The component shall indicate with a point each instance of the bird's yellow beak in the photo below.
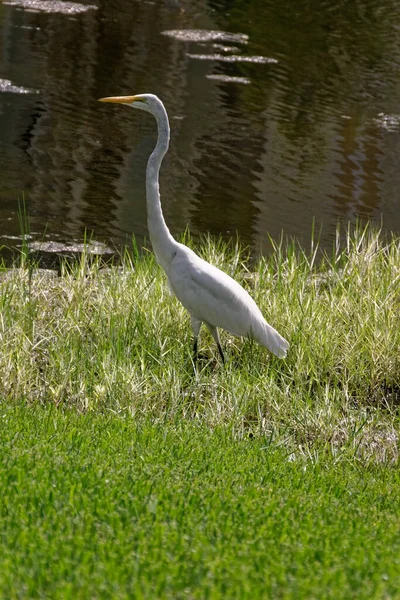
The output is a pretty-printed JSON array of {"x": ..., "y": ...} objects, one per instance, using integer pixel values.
[{"x": 121, "y": 99}]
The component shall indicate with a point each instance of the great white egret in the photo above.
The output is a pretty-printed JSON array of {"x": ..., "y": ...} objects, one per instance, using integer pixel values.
[{"x": 209, "y": 295}]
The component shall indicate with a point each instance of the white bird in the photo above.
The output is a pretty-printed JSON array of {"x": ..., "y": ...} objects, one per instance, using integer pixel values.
[{"x": 211, "y": 296}]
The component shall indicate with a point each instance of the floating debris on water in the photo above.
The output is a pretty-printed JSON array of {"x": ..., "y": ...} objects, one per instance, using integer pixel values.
[
  {"x": 222, "y": 58},
  {"x": 221, "y": 48},
  {"x": 227, "y": 54},
  {"x": 206, "y": 35},
  {"x": 29, "y": 27},
  {"x": 229, "y": 79},
  {"x": 7, "y": 86},
  {"x": 51, "y": 246},
  {"x": 51, "y": 6},
  {"x": 388, "y": 122}
]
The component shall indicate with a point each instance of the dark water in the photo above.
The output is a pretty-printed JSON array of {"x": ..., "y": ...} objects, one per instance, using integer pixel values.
[{"x": 292, "y": 114}]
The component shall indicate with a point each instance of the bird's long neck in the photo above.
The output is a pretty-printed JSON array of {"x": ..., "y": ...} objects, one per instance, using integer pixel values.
[{"x": 162, "y": 241}]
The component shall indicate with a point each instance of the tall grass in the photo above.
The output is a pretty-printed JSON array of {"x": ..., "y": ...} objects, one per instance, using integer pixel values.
[{"x": 114, "y": 339}]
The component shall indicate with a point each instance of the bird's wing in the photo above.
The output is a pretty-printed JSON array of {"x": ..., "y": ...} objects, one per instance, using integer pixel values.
[{"x": 211, "y": 295}]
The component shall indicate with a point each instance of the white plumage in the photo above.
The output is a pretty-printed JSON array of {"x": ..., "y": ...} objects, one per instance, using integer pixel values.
[{"x": 210, "y": 295}]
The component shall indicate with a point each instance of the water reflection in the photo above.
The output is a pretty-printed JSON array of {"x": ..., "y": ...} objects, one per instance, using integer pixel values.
[{"x": 278, "y": 115}]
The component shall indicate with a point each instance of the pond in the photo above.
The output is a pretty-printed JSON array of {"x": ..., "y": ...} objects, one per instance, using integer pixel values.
[{"x": 284, "y": 116}]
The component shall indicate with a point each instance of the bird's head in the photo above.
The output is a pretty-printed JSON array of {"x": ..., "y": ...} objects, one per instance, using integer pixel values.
[{"x": 147, "y": 102}]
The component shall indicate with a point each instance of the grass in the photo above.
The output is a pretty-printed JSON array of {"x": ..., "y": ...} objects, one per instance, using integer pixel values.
[
  {"x": 127, "y": 473},
  {"x": 100, "y": 506},
  {"x": 115, "y": 339}
]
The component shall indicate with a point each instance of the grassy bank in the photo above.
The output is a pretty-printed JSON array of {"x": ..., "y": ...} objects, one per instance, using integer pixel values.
[
  {"x": 100, "y": 506},
  {"x": 125, "y": 473},
  {"x": 115, "y": 339}
]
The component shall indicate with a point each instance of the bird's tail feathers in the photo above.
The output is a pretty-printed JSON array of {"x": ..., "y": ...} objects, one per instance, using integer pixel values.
[{"x": 268, "y": 336}]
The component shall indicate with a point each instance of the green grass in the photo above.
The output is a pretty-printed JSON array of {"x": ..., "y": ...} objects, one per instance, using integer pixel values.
[
  {"x": 100, "y": 506},
  {"x": 125, "y": 473}
]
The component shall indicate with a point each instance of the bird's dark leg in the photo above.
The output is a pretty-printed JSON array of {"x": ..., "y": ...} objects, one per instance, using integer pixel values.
[
  {"x": 195, "y": 350},
  {"x": 196, "y": 324},
  {"x": 215, "y": 334},
  {"x": 221, "y": 353}
]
